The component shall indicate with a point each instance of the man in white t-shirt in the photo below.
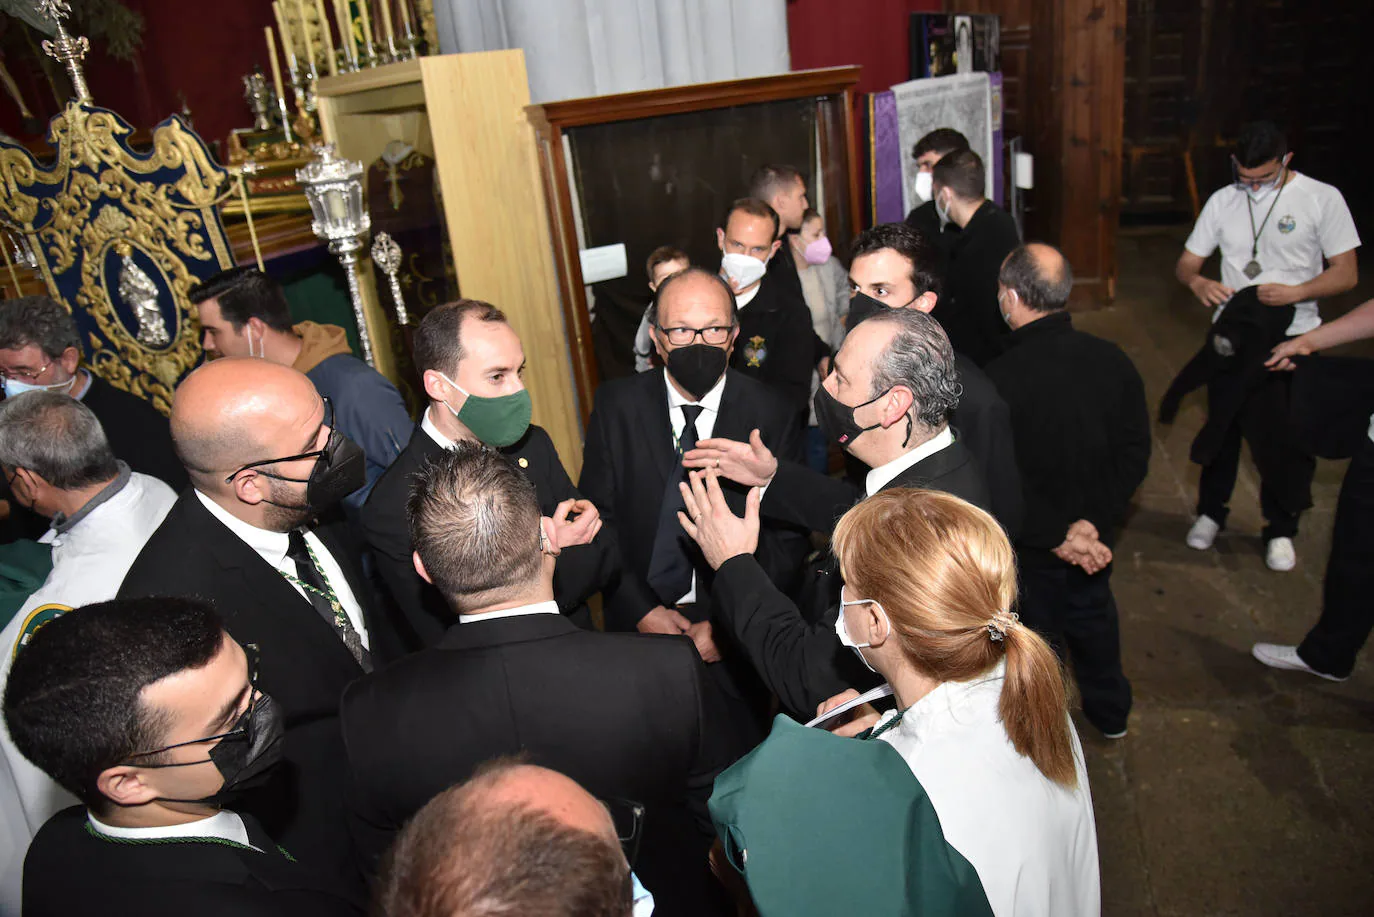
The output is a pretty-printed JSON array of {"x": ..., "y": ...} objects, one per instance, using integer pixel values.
[{"x": 1274, "y": 227}]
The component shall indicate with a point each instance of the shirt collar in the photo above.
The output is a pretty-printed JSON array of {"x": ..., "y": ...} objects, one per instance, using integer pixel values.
[
  {"x": 538, "y": 608},
  {"x": 62, "y": 524},
  {"x": 710, "y": 401},
  {"x": 883, "y": 475},
  {"x": 429, "y": 427},
  {"x": 224, "y": 825},
  {"x": 270, "y": 546},
  {"x": 1051, "y": 321}
]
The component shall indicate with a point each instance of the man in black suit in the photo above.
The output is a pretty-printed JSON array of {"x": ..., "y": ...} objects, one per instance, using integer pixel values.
[
  {"x": 1083, "y": 440},
  {"x": 638, "y": 431},
  {"x": 471, "y": 361},
  {"x": 264, "y": 465},
  {"x": 147, "y": 711},
  {"x": 777, "y": 344},
  {"x": 895, "y": 267},
  {"x": 622, "y": 714},
  {"x": 968, "y": 308},
  {"x": 924, "y": 218},
  {"x": 887, "y": 402}
]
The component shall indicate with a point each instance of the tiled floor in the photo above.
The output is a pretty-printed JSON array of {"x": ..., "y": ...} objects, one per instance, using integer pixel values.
[{"x": 1239, "y": 790}]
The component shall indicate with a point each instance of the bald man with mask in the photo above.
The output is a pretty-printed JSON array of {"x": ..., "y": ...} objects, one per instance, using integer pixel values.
[{"x": 254, "y": 535}]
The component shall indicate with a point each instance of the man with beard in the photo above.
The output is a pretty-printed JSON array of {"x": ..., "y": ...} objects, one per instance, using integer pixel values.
[{"x": 265, "y": 463}]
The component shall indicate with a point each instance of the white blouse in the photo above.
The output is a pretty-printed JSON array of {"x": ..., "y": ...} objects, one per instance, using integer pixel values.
[{"x": 1032, "y": 841}]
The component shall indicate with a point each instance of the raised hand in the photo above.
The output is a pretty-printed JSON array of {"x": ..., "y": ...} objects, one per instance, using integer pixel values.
[
  {"x": 750, "y": 464},
  {"x": 710, "y": 523},
  {"x": 581, "y": 530}
]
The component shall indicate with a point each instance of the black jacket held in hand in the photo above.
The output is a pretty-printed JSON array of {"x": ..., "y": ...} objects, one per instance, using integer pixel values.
[
  {"x": 581, "y": 572},
  {"x": 625, "y": 715},
  {"x": 1081, "y": 424},
  {"x": 70, "y": 870}
]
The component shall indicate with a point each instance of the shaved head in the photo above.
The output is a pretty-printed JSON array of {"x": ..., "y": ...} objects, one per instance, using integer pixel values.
[{"x": 231, "y": 412}]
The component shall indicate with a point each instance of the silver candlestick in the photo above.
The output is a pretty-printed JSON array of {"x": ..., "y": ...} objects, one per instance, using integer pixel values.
[
  {"x": 334, "y": 188},
  {"x": 386, "y": 254}
]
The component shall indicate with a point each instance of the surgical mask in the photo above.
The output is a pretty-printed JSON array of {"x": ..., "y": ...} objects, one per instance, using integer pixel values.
[
  {"x": 262, "y": 344},
  {"x": 499, "y": 421},
  {"x": 817, "y": 251},
  {"x": 697, "y": 367},
  {"x": 922, "y": 186},
  {"x": 836, "y": 420},
  {"x": 1260, "y": 194},
  {"x": 742, "y": 270},
  {"x": 643, "y": 898},
  {"x": 1006, "y": 317},
  {"x": 942, "y": 211},
  {"x": 14, "y": 387},
  {"x": 246, "y": 760},
  {"x": 842, "y": 631}
]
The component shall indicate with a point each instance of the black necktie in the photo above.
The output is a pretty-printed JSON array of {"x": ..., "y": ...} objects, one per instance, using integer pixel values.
[
  {"x": 670, "y": 565},
  {"x": 322, "y": 596}
]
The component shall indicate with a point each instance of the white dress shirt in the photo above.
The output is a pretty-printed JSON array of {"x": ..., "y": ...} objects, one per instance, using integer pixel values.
[
  {"x": 880, "y": 477},
  {"x": 432, "y": 431},
  {"x": 1032, "y": 842},
  {"x": 706, "y": 425},
  {"x": 538, "y": 608},
  {"x": 224, "y": 825},
  {"x": 272, "y": 547}
]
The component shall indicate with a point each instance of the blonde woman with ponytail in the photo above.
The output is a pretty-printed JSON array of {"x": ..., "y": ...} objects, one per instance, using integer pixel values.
[{"x": 981, "y": 718}]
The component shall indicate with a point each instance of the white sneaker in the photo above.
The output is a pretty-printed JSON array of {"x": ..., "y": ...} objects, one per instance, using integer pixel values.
[
  {"x": 1279, "y": 555},
  {"x": 1203, "y": 533},
  {"x": 1278, "y": 656}
]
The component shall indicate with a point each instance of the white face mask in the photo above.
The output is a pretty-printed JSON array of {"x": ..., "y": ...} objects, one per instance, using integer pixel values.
[
  {"x": 942, "y": 211},
  {"x": 922, "y": 186},
  {"x": 262, "y": 344},
  {"x": 1001, "y": 298},
  {"x": 742, "y": 270},
  {"x": 643, "y": 898},
  {"x": 15, "y": 387},
  {"x": 842, "y": 631}
]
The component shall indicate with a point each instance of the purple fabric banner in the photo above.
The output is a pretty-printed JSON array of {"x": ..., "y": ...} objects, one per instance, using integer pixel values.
[
  {"x": 998, "y": 160},
  {"x": 886, "y": 150}
]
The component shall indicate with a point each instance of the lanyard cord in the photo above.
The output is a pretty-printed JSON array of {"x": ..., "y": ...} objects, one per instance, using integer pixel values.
[{"x": 1254, "y": 245}]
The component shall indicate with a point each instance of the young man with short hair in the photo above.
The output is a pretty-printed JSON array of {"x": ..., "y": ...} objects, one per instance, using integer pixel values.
[
  {"x": 928, "y": 151},
  {"x": 664, "y": 261},
  {"x": 1275, "y": 227},
  {"x": 147, "y": 711}
]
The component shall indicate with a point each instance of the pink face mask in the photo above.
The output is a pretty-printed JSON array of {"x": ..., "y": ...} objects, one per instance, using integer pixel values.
[{"x": 818, "y": 251}]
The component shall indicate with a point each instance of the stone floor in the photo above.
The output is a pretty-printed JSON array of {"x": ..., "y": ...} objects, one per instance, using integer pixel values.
[{"x": 1239, "y": 790}]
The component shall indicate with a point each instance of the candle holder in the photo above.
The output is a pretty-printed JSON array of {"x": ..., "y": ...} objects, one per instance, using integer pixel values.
[
  {"x": 63, "y": 48},
  {"x": 334, "y": 188},
  {"x": 259, "y": 99},
  {"x": 386, "y": 254}
]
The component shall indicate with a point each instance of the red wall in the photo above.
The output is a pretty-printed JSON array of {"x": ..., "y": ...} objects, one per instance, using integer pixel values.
[
  {"x": 874, "y": 33},
  {"x": 199, "y": 49}
]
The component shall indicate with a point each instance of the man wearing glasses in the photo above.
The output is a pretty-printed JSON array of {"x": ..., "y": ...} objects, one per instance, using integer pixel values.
[
  {"x": 266, "y": 465},
  {"x": 1275, "y": 227},
  {"x": 58, "y": 463},
  {"x": 639, "y": 429},
  {"x": 147, "y": 712}
]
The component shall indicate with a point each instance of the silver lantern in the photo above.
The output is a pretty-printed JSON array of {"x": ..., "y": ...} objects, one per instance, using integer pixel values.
[{"x": 334, "y": 188}]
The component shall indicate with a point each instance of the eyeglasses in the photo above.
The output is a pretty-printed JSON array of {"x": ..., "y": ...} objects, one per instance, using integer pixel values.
[
  {"x": 25, "y": 375},
  {"x": 628, "y": 818},
  {"x": 245, "y": 732},
  {"x": 681, "y": 337},
  {"x": 1267, "y": 179},
  {"x": 321, "y": 455}
]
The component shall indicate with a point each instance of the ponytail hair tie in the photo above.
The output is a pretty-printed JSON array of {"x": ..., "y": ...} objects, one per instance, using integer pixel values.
[{"x": 1000, "y": 623}]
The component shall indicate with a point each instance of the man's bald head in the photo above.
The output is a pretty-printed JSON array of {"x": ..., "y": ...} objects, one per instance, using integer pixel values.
[
  {"x": 231, "y": 412},
  {"x": 514, "y": 839},
  {"x": 694, "y": 290},
  {"x": 1039, "y": 275}
]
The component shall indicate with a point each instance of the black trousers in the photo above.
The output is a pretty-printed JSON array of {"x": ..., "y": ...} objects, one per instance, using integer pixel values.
[
  {"x": 1076, "y": 614},
  {"x": 1285, "y": 469},
  {"x": 1348, "y": 592}
]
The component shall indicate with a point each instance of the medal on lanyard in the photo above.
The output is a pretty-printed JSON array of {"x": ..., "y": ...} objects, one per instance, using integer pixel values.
[{"x": 1253, "y": 269}]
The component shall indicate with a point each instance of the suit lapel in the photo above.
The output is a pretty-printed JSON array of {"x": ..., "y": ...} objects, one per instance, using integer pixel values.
[
  {"x": 933, "y": 467},
  {"x": 730, "y": 422},
  {"x": 655, "y": 424}
]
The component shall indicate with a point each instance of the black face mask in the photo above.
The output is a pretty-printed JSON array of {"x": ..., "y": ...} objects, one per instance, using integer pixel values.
[
  {"x": 836, "y": 420},
  {"x": 245, "y": 759},
  {"x": 697, "y": 367},
  {"x": 340, "y": 469},
  {"x": 861, "y": 306}
]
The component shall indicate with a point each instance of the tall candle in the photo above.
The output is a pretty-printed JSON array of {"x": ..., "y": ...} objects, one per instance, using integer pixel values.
[
  {"x": 285, "y": 33},
  {"x": 367, "y": 25},
  {"x": 386, "y": 25},
  {"x": 345, "y": 17},
  {"x": 405, "y": 18},
  {"x": 309, "y": 45},
  {"x": 328, "y": 37},
  {"x": 272, "y": 57}
]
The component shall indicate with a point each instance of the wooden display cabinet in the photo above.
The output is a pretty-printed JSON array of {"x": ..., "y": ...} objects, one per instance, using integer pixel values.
[{"x": 467, "y": 112}]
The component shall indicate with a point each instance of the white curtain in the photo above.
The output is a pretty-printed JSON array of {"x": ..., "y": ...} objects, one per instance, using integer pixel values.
[{"x": 576, "y": 48}]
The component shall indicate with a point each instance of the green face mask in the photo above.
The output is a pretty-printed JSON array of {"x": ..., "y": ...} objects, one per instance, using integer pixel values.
[{"x": 498, "y": 421}]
